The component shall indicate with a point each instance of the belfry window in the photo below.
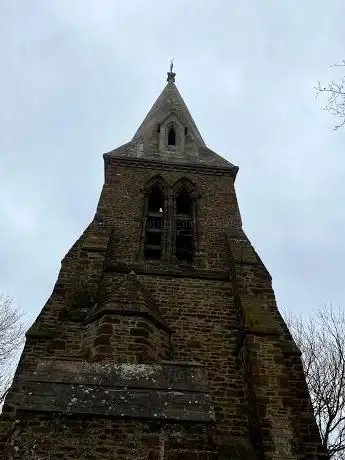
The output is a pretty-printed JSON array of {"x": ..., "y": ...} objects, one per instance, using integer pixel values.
[
  {"x": 169, "y": 231},
  {"x": 154, "y": 224},
  {"x": 171, "y": 136},
  {"x": 184, "y": 227}
]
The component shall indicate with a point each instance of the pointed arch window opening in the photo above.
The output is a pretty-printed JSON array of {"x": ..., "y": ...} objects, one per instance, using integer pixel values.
[
  {"x": 172, "y": 136},
  {"x": 184, "y": 242},
  {"x": 154, "y": 228},
  {"x": 170, "y": 228}
]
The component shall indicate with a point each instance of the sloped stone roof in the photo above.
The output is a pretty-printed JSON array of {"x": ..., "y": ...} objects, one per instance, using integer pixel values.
[
  {"x": 145, "y": 146},
  {"x": 130, "y": 297},
  {"x": 206, "y": 156}
]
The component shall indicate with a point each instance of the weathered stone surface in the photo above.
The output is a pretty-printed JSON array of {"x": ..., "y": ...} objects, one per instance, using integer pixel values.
[
  {"x": 135, "y": 403},
  {"x": 165, "y": 375}
]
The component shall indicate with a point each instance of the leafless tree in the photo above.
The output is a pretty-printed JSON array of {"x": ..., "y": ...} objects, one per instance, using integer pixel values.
[
  {"x": 321, "y": 339},
  {"x": 335, "y": 91},
  {"x": 11, "y": 339}
]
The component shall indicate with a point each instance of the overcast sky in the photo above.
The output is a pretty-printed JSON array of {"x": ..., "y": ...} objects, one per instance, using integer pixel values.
[{"x": 77, "y": 78}]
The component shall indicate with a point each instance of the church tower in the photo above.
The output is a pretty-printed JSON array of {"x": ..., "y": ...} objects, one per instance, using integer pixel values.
[{"x": 161, "y": 339}]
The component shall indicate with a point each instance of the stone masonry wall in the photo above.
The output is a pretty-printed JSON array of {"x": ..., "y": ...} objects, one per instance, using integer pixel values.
[
  {"x": 73, "y": 438},
  {"x": 222, "y": 314},
  {"x": 202, "y": 316},
  {"x": 129, "y": 339},
  {"x": 199, "y": 311}
]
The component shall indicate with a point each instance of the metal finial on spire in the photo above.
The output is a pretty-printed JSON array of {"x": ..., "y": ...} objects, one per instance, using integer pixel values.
[{"x": 171, "y": 74}]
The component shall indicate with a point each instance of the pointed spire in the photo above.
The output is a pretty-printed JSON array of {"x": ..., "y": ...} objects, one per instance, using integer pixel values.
[
  {"x": 169, "y": 102},
  {"x": 171, "y": 74},
  {"x": 149, "y": 142}
]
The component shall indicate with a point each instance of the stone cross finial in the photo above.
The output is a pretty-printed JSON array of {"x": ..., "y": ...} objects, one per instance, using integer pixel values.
[{"x": 171, "y": 74}]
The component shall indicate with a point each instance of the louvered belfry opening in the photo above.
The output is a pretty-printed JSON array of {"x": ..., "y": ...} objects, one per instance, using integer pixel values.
[
  {"x": 184, "y": 227},
  {"x": 154, "y": 224}
]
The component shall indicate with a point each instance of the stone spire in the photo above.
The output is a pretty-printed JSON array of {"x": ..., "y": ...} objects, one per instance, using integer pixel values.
[
  {"x": 149, "y": 140},
  {"x": 169, "y": 102}
]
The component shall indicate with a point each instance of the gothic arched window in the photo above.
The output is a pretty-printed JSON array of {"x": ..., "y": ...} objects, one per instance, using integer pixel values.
[
  {"x": 169, "y": 230},
  {"x": 154, "y": 227},
  {"x": 184, "y": 243},
  {"x": 171, "y": 136}
]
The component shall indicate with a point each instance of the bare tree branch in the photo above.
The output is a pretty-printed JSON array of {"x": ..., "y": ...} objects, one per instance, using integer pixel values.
[
  {"x": 11, "y": 339},
  {"x": 321, "y": 341},
  {"x": 335, "y": 92}
]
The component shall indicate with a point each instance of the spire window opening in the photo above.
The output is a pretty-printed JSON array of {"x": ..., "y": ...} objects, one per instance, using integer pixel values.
[
  {"x": 171, "y": 136},
  {"x": 184, "y": 227},
  {"x": 154, "y": 224}
]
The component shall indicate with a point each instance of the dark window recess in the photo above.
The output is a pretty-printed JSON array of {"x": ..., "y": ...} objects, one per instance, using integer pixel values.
[
  {"x": 154, "y": 224},
  {"x": 184, "y": 227},
  {"x": 171, "y": 136},
  {"x": 159, "y": 128},
  {"x": 186, "y": 131}
]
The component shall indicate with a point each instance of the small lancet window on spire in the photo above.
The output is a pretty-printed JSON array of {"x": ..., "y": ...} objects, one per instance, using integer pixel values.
[{"x": 171, "y": 136}]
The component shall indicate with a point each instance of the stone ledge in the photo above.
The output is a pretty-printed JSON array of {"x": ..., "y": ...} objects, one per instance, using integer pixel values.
[
  {"x": 168, "y": 375},
  {"x": 182, "y": 166},
  {"x": 120, "y": 403},
  {"x": 159, "y": 392},
  {"x": 144, "y": 268}
]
